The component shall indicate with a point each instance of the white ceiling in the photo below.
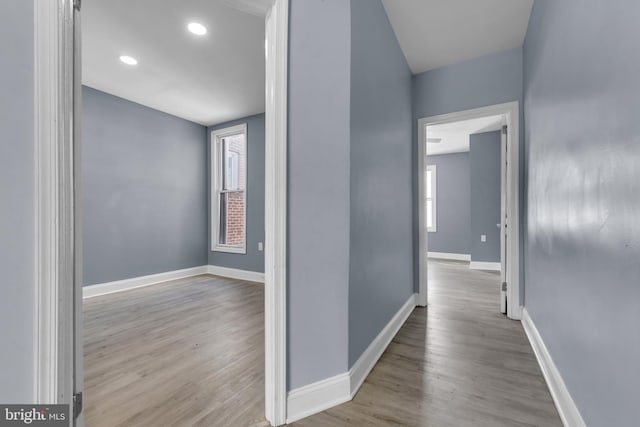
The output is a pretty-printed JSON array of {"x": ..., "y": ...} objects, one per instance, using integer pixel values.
[
  {"x": 454, "y": 137},
  {"x": 435, "y": 33},
  {"x": 208, "y": 80}
]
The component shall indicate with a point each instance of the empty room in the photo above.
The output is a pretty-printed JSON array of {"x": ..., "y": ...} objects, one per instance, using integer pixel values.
[{"x": 173, "y": 131}]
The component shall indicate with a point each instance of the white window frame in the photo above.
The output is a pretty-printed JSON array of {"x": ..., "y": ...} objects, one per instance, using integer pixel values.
[
  {"x": 216, "y": 184},
  {"x": 433, "y": 198},
  {"x": 234, "y": 166}
]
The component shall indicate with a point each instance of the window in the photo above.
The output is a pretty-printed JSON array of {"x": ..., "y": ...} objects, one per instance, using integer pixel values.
[
  {"x": 228, "y": 189},
  {"x": 430, "y": 185}
]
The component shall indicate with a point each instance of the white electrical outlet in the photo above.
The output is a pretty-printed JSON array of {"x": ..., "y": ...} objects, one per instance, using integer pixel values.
[
  {"x": 483, "y": 238},
  {"x": 260, "y": 246}
]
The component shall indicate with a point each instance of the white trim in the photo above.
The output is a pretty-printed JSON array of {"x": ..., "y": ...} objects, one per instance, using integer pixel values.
[
  {"x": 450, "y": 256},
  {"x": 216, "y": 179},
  {"x": 141, "y": 281},
  {"x": 321, "y": 395},
  {"x": 511, "y": 110},
  {"x": 567, "y": 408},
  {"x": 317, "y": 397},
  {"x": 231, "y": 249},
  {"x": 434, "y": 196},
  {"x": 46, "y": 82},
  {"x": 54, "y": 197},
  {"x": 503, "y": 219},
  {"x": 277, "y": 62},
  {"x": 423, "y": 234},
  {"x": 365, "y": 363},
  {"x": 488, "y": 266},
  {"x": 78, "y": 363},
  {"x": 234, "y": 273},
  {"x": 517, "y": 312}
]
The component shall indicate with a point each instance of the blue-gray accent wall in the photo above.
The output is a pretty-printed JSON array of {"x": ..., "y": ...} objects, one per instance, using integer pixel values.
[
  {"x": 488, "y": 80},
  {"x": 144, "y": 190},
  {"x": 582, "y": 93},
  {"x": 253, "y": 259},
  {"x": 453, "y": 204},
  {"x": 17, "y": 192},
  {"x": 318, "y": 190},
  {"x": 381, "y": 251},
  {"x": 484, "y": 161}
]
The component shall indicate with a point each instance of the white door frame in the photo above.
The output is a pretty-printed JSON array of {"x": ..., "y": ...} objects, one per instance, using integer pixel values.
[
  {"x": 275, "y": 257},
  {"x": 504, "y": 154},
  {"x": 512, "y": 112},
  {"x": 58, "y": 183},
  {"x": 54, "y": 197}
]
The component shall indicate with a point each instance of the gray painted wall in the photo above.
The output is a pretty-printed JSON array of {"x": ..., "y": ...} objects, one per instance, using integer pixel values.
[
  {"x": 253, "y": 260},
  {"x": 453, "y": 204},
  {"x": 17, "y": 192},
  {"x": 484, "y": 160},
  {"x": 381, "y": 254},
  {"x": 318, "y": 190},
  {"x": 488, "y": 80},
  {"x": 582, "y": 258},
  {"x": 144, "y": 190}
]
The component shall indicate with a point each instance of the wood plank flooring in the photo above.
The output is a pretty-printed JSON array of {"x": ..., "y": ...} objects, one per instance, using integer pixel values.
[
  {"x": 457, "y": 363},
  {"x": 186, "y": 352},
  {"x": 191, "y": 353}
]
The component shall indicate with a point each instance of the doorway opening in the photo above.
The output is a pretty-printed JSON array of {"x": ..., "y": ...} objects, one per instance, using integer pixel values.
[
  {"x": 173, "y": 135},
  {"x": 59, "y": 205},
  {"x": 469, "y": 196}
]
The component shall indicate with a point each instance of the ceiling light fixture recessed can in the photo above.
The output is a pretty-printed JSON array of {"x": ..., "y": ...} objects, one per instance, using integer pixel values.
[
  {"x": 129, "y": 60},
  {"x": 197, "y": 29}
]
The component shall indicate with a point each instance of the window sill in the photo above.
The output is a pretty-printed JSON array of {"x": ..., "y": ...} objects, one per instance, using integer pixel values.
[{"x": 230, "y": 250}]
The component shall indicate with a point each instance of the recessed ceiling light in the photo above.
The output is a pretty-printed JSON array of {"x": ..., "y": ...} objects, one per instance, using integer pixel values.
[
  {"x": 128, "y": 60},
  {"x": 197, "y": 29}
]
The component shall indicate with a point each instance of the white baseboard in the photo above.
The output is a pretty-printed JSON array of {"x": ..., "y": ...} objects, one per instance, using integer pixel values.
[
  {"x": 490, "y": 266},
  {"x": 138, "y": 282},
  {"x": 447, "y": 255},
  {"x": 567, "y": 408},
  {"x": 365, "y": 363},
  {"x": 233, "y": 273},
  {"x": 319, "y": 396}
]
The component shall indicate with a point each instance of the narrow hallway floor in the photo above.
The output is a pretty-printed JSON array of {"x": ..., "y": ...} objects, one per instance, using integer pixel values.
[{"x": 457, "y": 363}]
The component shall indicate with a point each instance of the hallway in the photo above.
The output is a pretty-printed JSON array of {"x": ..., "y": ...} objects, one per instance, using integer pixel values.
[{"x": 457, "y": 363}]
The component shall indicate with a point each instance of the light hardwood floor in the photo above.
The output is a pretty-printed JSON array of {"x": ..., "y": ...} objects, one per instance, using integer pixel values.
[
  {"x": 457, "y": 363},
  {"x": 191, "y": 352},
  {"x": 186, "y": 352}
]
